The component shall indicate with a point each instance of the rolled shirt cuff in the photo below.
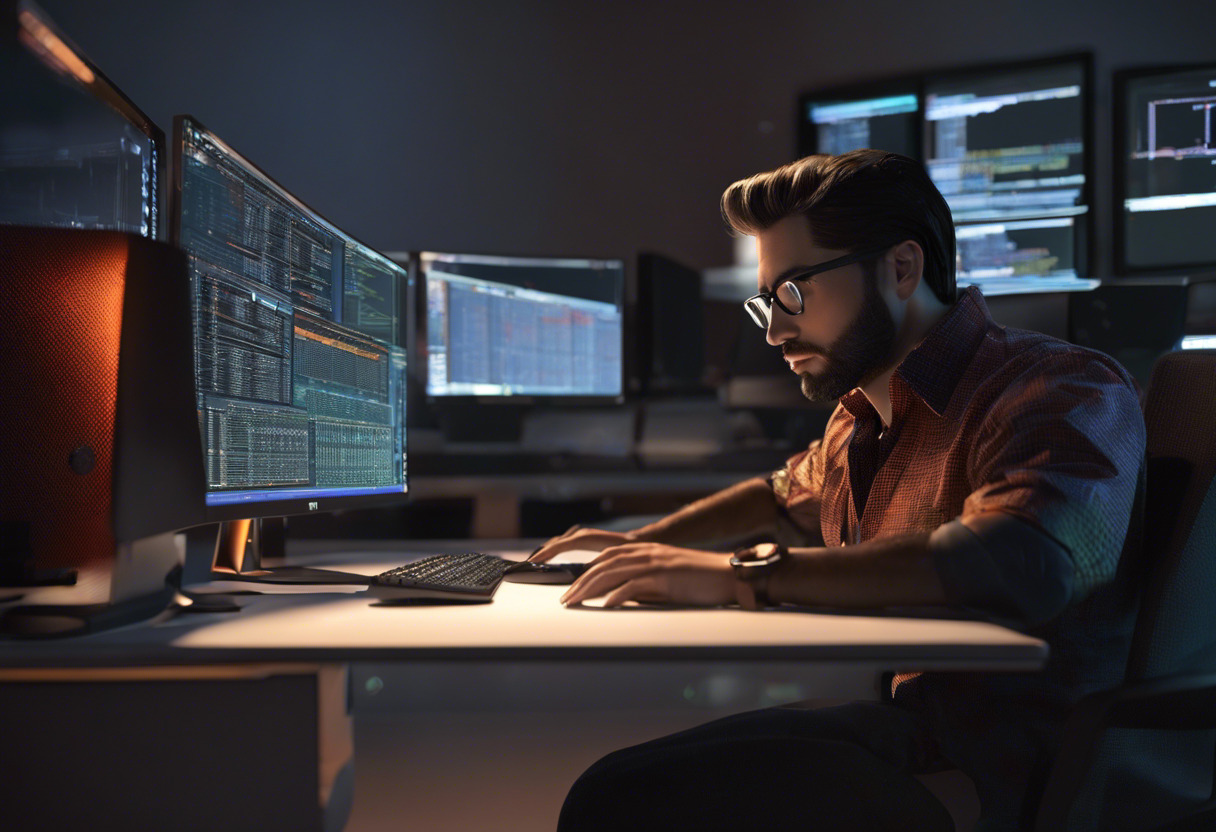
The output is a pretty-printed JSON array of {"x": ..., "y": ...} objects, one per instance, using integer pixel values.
[{"x": 1000, "y": 565}]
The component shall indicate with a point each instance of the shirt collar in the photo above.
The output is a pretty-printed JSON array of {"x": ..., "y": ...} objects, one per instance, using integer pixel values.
[{"x": 933, "y": 369}]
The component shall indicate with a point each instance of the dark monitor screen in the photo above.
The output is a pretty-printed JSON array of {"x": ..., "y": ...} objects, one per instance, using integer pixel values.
[
  {"x": 301, "y": 384},
  {"x": 511, "y": 327},
  {"x": 1200, "y": 329},
  {"x": 1167, "y": 168},
  {"x": 1007, "y": 147},
  {"x": 670, "y": 358},
  {"x": 74, "y": 151},
  {"x": 837, "y": 121}
]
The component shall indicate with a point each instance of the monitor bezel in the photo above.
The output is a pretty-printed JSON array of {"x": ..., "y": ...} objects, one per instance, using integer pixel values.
[
  {"x": 1083, "y": 232},
  {"x": 557, "y": 400},
  {"x": 301, "y": 505},
  {"x": 1120, "y": 81},
  {"x": 107, "y": 92},
  {"x": 808, "y": 132}
]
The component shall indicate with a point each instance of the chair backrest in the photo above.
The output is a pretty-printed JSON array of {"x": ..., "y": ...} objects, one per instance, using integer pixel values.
[
  {"x": 1133, "y": 779},
  {"x": 1174, "y": 629}
]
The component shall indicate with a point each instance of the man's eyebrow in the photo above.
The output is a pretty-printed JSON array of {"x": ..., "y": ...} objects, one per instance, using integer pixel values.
[{"x": 787, "y": 274}]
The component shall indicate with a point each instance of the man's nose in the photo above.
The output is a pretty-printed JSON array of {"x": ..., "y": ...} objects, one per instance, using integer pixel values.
[{"x": 781, "y": 327}]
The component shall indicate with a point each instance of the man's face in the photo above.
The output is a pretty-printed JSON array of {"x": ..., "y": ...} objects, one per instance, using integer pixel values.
[{"x": 845, "y": 336}]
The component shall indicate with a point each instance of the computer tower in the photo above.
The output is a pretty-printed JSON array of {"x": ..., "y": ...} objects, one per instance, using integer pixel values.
[
  {"x": 99, "y": 445},
  {"x": 671, "y": 332}
]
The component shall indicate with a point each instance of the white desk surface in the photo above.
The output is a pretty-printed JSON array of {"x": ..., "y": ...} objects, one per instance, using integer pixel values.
[{"x": 525, "y": 622}]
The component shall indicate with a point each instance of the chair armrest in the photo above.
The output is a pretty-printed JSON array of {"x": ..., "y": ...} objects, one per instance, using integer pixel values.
[{"x": 1185, "y": 702}]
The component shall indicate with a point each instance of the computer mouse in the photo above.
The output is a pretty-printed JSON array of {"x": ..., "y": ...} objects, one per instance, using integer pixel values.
[{"x": 531, "y": 572}]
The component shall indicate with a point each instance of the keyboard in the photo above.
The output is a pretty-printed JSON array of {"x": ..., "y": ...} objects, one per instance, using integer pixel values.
[{"x": 466, "y": 577}]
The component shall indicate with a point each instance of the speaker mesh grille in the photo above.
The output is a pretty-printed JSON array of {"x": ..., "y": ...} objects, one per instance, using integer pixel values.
[{"x": 59, "y": 340}]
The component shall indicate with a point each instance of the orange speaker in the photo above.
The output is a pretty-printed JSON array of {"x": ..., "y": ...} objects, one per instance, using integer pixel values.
[{"x": 99, "y": 443}]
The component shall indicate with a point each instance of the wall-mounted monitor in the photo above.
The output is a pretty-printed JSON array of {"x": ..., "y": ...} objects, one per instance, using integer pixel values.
[
  {"x": 1008, "y": 145},
  {"x": 1009, "y": 148},
  {"x": 1165, "y": 175},
  {"x": 301, "y": 383},
  {"x": 523, "y": 329},
  {"x": 75, "y": 152},
  {"x": 884, "y": 116}
]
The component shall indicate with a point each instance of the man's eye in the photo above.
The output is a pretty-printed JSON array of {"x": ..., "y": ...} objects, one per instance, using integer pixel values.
[{"x": 788, "y": 294}]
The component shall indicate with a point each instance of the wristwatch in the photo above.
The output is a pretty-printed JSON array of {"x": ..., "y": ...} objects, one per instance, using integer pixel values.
[{"x": 753, "y": 566}]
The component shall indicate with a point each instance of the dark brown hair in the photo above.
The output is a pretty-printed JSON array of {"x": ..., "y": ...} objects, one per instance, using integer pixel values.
[{"x": 855, "y": 201}]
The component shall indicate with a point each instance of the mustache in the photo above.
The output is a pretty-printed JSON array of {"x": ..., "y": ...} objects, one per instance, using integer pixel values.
[{"x": 802, "y": 348}]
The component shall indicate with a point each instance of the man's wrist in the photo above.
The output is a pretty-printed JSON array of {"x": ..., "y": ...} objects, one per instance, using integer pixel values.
[{"x": 754, "y": 567}]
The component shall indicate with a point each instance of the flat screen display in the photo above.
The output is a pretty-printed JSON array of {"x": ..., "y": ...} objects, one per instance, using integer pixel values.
[
  {"x": 523, "y": 326},
  {"x": 837, "y": 122},
  {"x": 1007, "y": 148},
  {"x": 1168, "y": 169}
]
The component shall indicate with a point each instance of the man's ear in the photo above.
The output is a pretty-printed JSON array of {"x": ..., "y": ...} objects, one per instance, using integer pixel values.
[{"x": 909, "y": 261}]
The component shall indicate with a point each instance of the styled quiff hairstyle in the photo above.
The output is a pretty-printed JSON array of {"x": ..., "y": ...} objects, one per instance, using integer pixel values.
[{"x": 856, "y": 201}]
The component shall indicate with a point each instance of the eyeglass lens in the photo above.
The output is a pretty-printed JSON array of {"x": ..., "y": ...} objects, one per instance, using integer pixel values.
[{"x": 788, "y": 296}]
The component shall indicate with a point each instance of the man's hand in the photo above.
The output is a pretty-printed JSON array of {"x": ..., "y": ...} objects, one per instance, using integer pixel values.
[
  {"x": 579, "y": 538},
  {"x": 656, "y": 573}
]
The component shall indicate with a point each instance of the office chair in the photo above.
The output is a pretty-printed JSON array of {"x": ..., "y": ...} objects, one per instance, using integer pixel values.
[{"x": 1141, "y": 756}]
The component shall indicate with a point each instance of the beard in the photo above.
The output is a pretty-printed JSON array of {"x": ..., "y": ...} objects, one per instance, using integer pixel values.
[{"x": 861, "y": 353}]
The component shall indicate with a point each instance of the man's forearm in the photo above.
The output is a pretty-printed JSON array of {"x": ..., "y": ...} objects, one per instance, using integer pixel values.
[
  {"x": 742, "y": 509},
  {"x": 893, "y": 571}
]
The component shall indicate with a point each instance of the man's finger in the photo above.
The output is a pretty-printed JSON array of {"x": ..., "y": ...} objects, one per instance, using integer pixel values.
[
  {"x": 617, "y": 551},
  {"x": 600, "y": 579},
  {"x": 575, "y": 537},
  {"x": 644, "y": 588}
]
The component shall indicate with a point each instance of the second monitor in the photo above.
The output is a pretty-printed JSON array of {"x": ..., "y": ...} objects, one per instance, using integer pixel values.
[
  {"x": 505, "y": 335},
  {"x": 524, "y": 328}
]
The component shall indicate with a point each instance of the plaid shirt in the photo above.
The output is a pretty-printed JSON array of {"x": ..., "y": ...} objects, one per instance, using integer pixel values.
[{"x": 990, "y": 419}]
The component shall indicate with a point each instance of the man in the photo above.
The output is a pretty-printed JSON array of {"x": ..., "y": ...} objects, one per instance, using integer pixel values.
[{"x": 992, "y": 470}]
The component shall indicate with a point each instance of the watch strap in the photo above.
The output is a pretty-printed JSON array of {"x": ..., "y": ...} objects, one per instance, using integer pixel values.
[{"x": 751, "y": 581}]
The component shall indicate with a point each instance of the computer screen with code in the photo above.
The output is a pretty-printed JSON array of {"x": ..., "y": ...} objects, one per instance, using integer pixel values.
[
  {"x": 837, "y": 121},
  {"x": 1006, "y": 146},
  {"x": 75, "y": 152},
  {"x": 301, "y": 383},
  {"x": 1168, "y": 169},
  {"x": 518, "y": 326}
]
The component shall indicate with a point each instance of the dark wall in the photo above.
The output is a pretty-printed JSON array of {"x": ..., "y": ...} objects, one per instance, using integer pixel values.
[{"x": 564, "y": 127}]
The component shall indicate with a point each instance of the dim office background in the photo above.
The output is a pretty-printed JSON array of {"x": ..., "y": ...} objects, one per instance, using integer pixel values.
[
  {"x": 556, "y": 128},
  {"x": 596, "y": 128}
]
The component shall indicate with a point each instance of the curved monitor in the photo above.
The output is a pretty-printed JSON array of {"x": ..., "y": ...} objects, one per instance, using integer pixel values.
[
  {"x": 516, "y": 329},
  {"x": 74, "y": 151},
  {"x": 1166, "y": 169},
  {"x": 300, "y": 380}
]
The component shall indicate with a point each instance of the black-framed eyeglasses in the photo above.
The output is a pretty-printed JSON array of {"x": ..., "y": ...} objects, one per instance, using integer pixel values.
[{"x": 786, "y": 294}]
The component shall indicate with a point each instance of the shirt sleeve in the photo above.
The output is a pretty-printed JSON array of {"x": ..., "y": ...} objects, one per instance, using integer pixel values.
[
  {"x": 798, "y": 491},
  {"x": 1055, "y": 467}
]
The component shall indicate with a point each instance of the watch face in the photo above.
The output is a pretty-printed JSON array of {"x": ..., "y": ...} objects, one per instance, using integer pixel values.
[
  {"x": 763, "y": 554},
  {"x": 768, "y": 551}
]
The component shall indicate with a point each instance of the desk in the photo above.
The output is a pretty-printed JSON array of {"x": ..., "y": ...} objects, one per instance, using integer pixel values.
[
  {"x": 525, "y": 622},
  {"x": 511, "y": 665}
]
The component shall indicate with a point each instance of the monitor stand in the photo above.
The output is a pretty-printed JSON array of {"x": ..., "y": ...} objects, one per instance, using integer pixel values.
[
  {"x": 242, "y": 545},
  {"x": 467, "y": 419}
]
